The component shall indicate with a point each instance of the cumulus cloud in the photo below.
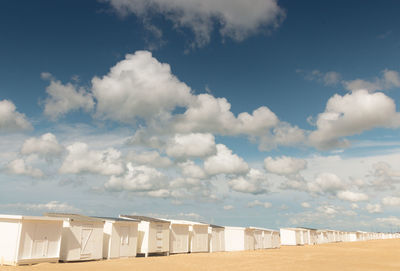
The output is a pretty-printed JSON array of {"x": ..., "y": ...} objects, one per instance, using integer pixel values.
[
  {"x": 330, "y": 78},
  {"x": 326, "y": 183},
  {"x": 63, "y": 98},
  {"x": 254, "y": 182},
  {"x": 283, "y": 134},
  {"x": 11, "y": 120},
  {"x": 305, "y": 205},
  {"x": 391, "y": 201},
  {"x": 389, "y": 79},
  {"x": 228, "y": 207},
  {"x": 352, "y": 196},
  {"x": 284, "y": 165},
  {"x": 384, "y": 176},
  {"x": 45, "y": 146},
  {"x": 329, "y": 210},
  {"x": 138, "y": 179},
  {"x": 149, "y": 158},
  {"x": 353, "y": 114},
  {"x": 255, "y": 203},
  {"x": 139, "y": 87},
  {"x": 191, "y": 170},
  {"x": 391, "y": 220},
  {"x": 191, "y": 145},
  {"x": 19, "y": 167},
  {"x": 235, "y": 19},
  {"x": 374, "y": 208},
  {"x": 53, "y": 206},
  {"x": 225, "y": 162},
  {"x": 80, "y": 159}
]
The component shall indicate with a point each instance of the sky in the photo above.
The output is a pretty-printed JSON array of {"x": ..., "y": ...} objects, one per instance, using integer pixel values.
[{"x": 245, "y": 113}]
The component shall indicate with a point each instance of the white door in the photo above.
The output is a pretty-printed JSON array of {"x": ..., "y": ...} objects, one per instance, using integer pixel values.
[
  {"x": 159, "y": 237},
  {"x": 87, "y": 244},
  {"x": 124, "y": 244},
  {"x": 40, "y": 243}
]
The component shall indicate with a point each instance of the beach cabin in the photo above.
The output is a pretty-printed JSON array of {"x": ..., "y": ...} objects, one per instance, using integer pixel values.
[
  {"x": 322, "y": 236},
  {"x": 234, "y": 238},
  {"x": 29, "y": 239},
  {"x": 276, "y": 239},
  {"x": 216, "y": 236},
  {"x": 153, "y": 235},
  {"x": 82, "y": 237},
  {"x": 293, "y": 236},
  {"x": 178, "y": 237},
  {"x": 119, "y": 238},
  {"x": 249, "y": 239},
  {"x": 258, "y": 237},
  {"x": 198, "y": 238},
  {"x": 311, "y": 236},
  {"x": 271, "y": 239}
]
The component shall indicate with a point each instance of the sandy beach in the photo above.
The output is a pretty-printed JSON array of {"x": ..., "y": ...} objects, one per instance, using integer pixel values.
[{"x": 374, "y": 255}]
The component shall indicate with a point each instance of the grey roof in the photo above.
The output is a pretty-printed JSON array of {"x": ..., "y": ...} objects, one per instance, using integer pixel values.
[
  {"x": 75, "y": 217},
  {"x": 117, "y": 219},
  {"x": 216, "y": 226},
  {"x": 144, "y": 218}
]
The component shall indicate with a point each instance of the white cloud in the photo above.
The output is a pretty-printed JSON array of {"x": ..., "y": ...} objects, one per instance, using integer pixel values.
[
  {"x": 284, "y": 165},
  {"x": 82, "y": 160},
  {"x": 236, "y": 19},
  {"x": 149, "y": 158},
  {"x": 388, "y": 80},
  {"x": 191, "y": 170},
  {"x": 391, "y": 201},
  {"x": 255, "y": 203},
  {"x": 283, "y": 134},
  {"x": 329, "y": 210},
  {"x": 138, "y": 179},
  {"x": 392, "y": 220},
  {"x": 352, "y": 196},
  {"x": 52, "y": 206},
  {"x": 305, "y": 205},
  {"x": 191, "y": 145},
  {"x": 374, "y": 208},
  {"x": 65, "y": 98},
  {"x": 139, "y": 87},
  {"x": 354, "y": 206},
  {"x": 225, "y": 162},
  {"x": 353, "y": 114},
  {"x": 19, "y": 167},
  {"x": 228, "y": 207},
  {"x": 11, "y": 120},
  {"x": 254, "y": 182},
  {"x": 46, "y": 146},
  {"x": 326, "y": 183},
  {"x": 330, "y": 78}
]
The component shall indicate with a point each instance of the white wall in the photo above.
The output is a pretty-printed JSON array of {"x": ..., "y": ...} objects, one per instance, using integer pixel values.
[
  {"x": 179, "y": 238},
  {"x": 234, "y": 239},
  {"x": 288, "y": 237},
  {"x": 9, "y": 240}
]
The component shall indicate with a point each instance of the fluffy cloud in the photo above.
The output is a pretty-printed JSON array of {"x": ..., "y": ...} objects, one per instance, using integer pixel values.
[
  {"x": 326, "y": 183},
  {"x": 11, "y": 120},
  {"x": 65, "y": 98},
  {"x": 283, "y": 134},
  {"x": 389, "y": 79},
  {"x": 228, "y": 207},
  {"x": 374, "y": 208},
  {"x": 209, "y": 114},
  {"x": 305, "y": 205},
  {"x": 329, "y": 210},
  {"x": 19, "y": 167},
  {"x": 254, "y": 182},
  {"x": 284, "y": 165},
  {"x": 138, "y": 87},
  {"x": 392, "y": 220},
  {"x": 352, "y": 196},
  {"x": 330, "y": 78},
  {"x": 225, "y": 162},
  {"x": 137, "y": 179},
  {"x": 352, "y": 114},
  {"x": 391, "y": 201},
  {"x": 384, "y": 177},
  {"x": 82, "y": 160},
  {"x": 191, "y": 170},
  {"x": 236, "y": 19},
  {"x": 255, "y": 203},
  {"x": 46, "y": 146},
  {"x": 191, "y": 145},
  {"x": 53, "y": 206},
  {"x": 149, "y": 158}
]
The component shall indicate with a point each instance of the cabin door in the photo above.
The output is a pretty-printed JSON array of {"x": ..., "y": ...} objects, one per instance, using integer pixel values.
[
  {"x": 124, "y": 244},
  {"x": 87, "y": 244},
  {"x": 40, "y": 243},
  {"x": 159, "y": 237}
]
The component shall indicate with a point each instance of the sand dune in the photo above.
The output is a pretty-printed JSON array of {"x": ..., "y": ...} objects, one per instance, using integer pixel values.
[{"x": 379, "y": 255}]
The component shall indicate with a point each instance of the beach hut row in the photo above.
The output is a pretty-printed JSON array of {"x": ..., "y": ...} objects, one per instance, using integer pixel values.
[
  {"x": 72, "y": 237},
  {"x": 308, "y": 236}
]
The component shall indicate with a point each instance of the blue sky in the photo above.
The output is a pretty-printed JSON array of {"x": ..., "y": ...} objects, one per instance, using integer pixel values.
[{"x": 265, "y": 113}]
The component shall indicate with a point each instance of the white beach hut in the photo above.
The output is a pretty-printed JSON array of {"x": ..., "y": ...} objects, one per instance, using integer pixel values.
[
  {"x": 293, "y": 236},
  {"x": 216, "y": 238},
  {"x": 198, "y": 237},
  {"x": 153, "y": 236},
  {"x": 310, "y": 236},
  {"x": 119, "y": 238},
  {"x": 178, "y": 237},
  {"x": 29, "y": 239},
  {"x": 257, "y": 237},
  {"x": 82, "y": 237},
  {"x": 234, "y": 238},
  {"x": 250, "y": 238},
  {"x": 276, "y": 239},
  {"x": 322, "y": 236},
  {"x": 271, "y": 239}
]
